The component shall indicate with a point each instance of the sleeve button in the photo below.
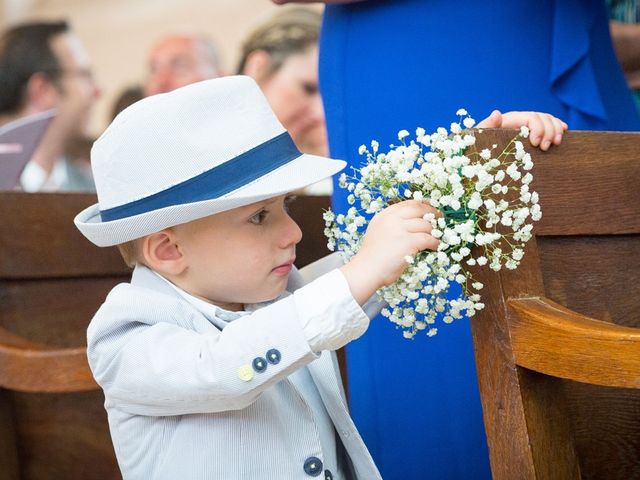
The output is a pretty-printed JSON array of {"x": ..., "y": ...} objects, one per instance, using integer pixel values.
[
  {"x": 273, "y": 356},
  {"x": 259, "y": 364},
  {"x": 245, "y": 373}
]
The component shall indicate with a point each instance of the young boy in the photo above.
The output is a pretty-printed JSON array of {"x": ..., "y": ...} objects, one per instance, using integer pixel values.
[{"x": 210, "y": 367}]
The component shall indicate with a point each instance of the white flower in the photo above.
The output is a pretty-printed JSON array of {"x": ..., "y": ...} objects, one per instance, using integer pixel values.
[
  {"x": 461, "y": 112},
  {"x": 437, "y": 167},
  {"x": 513, "y": 172},
  {"x": 534, "y": 197},
  {"x": 362, "y": 150},
  {"x": 536, "y": 212},
  {"x": 374, "y": 207},
  {"x": 342, "y": 180},
  {"x": 524, "y": 131},
  {"x": 475, "y": 201}
]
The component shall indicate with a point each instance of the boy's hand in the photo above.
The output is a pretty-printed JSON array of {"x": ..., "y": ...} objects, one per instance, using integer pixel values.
[
  {"x": 393, "y": 234},
  {"x": 544, "y": 129}
]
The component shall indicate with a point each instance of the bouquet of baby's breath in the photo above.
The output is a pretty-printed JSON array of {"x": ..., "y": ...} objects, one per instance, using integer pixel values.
[{"x": 485, "y": 201}]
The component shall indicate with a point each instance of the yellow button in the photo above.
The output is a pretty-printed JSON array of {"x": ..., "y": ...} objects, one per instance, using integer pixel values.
[{"x": 245, "y": 372}]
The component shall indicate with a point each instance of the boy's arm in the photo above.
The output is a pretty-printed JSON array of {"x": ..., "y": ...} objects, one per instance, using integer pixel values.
[
  {"x": 179, "y": 363},
  {"x": 155, "y": 355}
]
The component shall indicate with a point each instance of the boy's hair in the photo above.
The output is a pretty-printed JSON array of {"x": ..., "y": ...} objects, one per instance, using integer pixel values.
[
  {"x": 289, "y": 32},
  {"x": 130, "y": 253},
  {"x": 24, "y": 51}
]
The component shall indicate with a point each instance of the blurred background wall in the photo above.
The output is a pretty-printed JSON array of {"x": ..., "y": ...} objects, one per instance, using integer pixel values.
[{"x": 118, "y": 33}]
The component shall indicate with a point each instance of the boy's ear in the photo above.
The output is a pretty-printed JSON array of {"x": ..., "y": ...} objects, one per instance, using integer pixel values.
[
  {"x": 258, "y": 65},
  {"x": 162, "y": 253}
]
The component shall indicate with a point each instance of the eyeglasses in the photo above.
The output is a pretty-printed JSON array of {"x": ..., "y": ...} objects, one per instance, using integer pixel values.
[{"x": 62, "y": 72}]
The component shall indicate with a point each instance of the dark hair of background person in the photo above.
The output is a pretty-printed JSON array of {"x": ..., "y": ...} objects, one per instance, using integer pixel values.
[
  {"x": 24, "y": 51},
  {"x": 289, "y": 32},
  {"x": 128, "y": 96}
]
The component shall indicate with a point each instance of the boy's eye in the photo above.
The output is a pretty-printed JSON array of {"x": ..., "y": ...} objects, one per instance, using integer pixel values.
[{"x": 258, "y": 218}]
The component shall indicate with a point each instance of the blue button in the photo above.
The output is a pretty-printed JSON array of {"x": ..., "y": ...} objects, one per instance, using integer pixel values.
[
  {"x": 273, "y": 356},
  {"x": 259, "y": 364},
  {"x": 328, "y": 475},
  {"x": 313, "y": 466}
]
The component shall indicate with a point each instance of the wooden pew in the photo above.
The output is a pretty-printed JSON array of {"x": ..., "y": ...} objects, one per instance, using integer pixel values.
[
  {"x": 52, "y": 420},
  {"x": 52, "y": 280},
  {"x": 557, "y": 347}
]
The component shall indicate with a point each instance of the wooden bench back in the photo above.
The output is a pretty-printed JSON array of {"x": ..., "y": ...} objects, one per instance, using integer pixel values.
[
  {"x": 560, "y": 390},
  {"x": 52, "y": 280}
]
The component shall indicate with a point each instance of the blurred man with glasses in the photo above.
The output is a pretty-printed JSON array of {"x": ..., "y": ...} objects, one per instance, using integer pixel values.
[{"x": 43, "y": 65}]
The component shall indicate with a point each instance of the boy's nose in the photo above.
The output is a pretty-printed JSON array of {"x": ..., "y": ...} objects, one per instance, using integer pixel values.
[{"x": 293, "y": 234}]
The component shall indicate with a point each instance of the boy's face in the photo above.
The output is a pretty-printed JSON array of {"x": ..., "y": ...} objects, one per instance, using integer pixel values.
[{"x": 240, "y": 256}]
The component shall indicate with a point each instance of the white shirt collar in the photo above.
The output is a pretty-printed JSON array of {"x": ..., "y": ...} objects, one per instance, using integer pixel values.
[{"x": 210, "y": 310}]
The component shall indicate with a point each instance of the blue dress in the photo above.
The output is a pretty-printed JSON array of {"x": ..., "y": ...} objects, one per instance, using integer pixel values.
[{"x": 400, "y": 64}]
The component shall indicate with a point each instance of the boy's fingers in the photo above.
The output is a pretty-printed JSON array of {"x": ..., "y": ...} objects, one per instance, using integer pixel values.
[
  {"x": 414, "y": 208},
  {"x": 426, "y": 242},
  {"x": 418, "y": 225}
]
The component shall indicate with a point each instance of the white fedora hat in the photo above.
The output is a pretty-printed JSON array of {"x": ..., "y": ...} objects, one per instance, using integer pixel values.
[{"x": 201, "y": 149}]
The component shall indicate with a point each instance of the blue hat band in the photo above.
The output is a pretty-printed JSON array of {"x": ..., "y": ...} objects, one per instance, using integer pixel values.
[{"x": 216, "y": 182}]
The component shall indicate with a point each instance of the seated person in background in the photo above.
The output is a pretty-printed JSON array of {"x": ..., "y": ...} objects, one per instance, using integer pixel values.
[
  {"x": 43, "y": 65},
  {"x": 127, "y": 96},
  {"x": 282, "y": 56},
  {"x": 210, "y": 367},
  {"x": 177, "y": 60},
  {"x": 624, "y": 24}
]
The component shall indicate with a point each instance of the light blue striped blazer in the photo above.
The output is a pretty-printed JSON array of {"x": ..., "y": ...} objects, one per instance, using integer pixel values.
[{"x": 177, "y": 405}]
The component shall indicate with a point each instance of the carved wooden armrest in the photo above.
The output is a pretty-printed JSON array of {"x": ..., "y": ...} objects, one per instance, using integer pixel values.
[
  {"x": 548, "y": 338},
  {"x": 26, "y": 366}
]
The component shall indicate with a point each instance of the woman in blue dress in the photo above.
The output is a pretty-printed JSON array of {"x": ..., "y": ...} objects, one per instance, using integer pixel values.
[{"x": 387, "y": 65}]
